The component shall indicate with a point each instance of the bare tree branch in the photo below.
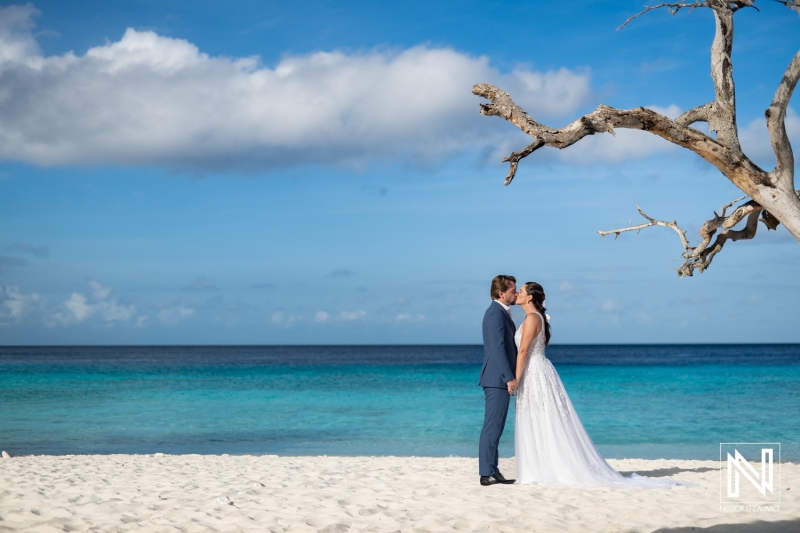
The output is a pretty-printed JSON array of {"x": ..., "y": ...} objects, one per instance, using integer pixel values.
[
  {"x": 737, "y": 167},
  {"x": 653, "y": 222},
  {"x": 697, "y": 114},
  {"x": 671, "y": 7},
  {"x": 699, "y": 257},
  {"x": 515, "y": 157},
  {"x": 791, "y": 4},
  {"x": 723, "y": 120},
  {"x": 776, "y": 124},
  {"x": 773, "y": 196}
]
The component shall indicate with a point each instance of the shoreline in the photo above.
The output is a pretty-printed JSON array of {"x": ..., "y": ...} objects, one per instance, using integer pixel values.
[
  {"x": 339, "y": 456},
  {"x": 161, "y": 492}
]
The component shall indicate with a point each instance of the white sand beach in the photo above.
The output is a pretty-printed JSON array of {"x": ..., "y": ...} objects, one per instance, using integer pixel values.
[{"x": 198, "y": 493}]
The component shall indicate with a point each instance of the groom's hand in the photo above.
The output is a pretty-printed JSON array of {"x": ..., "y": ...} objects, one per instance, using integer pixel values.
[{"x": 512, "y": 386}]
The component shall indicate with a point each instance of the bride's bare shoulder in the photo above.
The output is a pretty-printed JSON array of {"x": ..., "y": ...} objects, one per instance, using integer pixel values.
[
  {"x": 533, "y": 318},
  {"x": 534, "y": 324}
]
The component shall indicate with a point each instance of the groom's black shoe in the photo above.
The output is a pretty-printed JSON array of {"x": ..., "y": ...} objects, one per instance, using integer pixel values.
[
  {"x": 495, "y": 478},
  {"x": 500, "y": 479}
]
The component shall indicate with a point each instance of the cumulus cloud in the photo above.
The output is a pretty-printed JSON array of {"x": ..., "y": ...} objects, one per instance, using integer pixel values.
[
  {"x": 322, "y": 316},
  {"x": 350, "y": 316},
  {"x": 79, "y": 308},
  {"x": 610, "y": 305},
  {"x": 282, "y": 318},
  {"x": 155, "y": 100},
  {"x": 171, "y": 315},
  {"x": 16, "y": 305},
  {"x": 407, "y": 317},
  {"x": 754, "y": 138}
]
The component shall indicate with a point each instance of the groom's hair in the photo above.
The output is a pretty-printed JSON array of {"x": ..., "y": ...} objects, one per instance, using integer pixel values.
[{"x": 500, "y": 284}]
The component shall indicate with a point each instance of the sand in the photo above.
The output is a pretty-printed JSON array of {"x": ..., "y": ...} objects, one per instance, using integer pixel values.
[{"x": 341, "y": 494}]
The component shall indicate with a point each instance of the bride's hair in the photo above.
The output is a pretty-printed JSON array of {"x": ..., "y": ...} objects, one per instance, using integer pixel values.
[{"x": 536, "y": 292}]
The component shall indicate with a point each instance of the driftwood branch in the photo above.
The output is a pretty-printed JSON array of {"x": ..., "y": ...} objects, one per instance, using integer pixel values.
[
  {"x": 671, "y": 7},
  {"x": 674, "y": 7},
  {"x": 773, "y": 195},
  {"x": 652, "y": 222},
  {"x": 783, "y": 173},
  {"x": 697, "y": 114},
  {"x": 699, "y": 257},
  {"x": 606, "y": 119},
  {"x": 791, "y": 4},
  {"x": 515, "y": 157}
]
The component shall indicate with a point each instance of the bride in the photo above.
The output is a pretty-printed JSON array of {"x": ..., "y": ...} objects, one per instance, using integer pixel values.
[{"x": 550, "y": 443}]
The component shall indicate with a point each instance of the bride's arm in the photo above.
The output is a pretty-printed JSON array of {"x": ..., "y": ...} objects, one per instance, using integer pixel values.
[{"x": 530, "y": 329}]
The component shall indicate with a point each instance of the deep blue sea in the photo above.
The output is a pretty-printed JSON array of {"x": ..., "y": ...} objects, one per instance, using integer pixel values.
[{"x": 670, "y": 401}]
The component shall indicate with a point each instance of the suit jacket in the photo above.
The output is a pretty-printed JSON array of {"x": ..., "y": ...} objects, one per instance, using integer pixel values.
[{"x": 500, "y": 350}]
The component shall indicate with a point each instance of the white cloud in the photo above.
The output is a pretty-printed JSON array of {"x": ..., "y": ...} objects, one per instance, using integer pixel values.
[
  {"x": 566, "y": 286},
  {"x": 406, "y": 317},
  {"x": 16, "y": 26},
  {"x": 98, "y": 291},
  {"x": 171, "y": 315},
  {"x": 754, "y": 138},
  {"x": 78, "y": 308},
  {"x": 149, "y": 99},
  {"x": 671, "y": 111},
  {"x": 547, "y": 94},
  {"x": 322, "y": 316},
  {"x": 350, "y": 316},
  {"x": 285, "y": 319},
  {"x": 17, "y": 304},
  {"x": 610, "y": 305}
]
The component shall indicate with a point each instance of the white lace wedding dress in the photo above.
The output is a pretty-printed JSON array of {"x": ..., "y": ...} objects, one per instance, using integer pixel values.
[{"x": 550, "y": 443}]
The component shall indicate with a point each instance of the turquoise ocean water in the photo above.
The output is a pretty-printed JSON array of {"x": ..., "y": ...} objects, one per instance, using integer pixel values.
[{"x": 676, "y": 401}]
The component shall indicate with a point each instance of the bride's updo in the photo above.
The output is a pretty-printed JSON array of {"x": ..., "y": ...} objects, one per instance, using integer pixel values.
[{"x": 536, "y": 292}]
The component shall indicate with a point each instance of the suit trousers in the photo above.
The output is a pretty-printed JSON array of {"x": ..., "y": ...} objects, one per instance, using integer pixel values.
[{"x": 494, "y": 420}]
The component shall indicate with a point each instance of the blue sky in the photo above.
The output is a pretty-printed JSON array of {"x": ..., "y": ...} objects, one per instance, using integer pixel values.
[{"x": 259, "y": 172}]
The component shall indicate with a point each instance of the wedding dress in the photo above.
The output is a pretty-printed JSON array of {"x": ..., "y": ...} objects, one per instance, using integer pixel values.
[{"x": 550, "y": 442}]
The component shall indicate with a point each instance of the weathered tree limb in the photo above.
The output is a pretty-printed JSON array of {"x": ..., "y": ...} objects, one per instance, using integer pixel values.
[
  {"x": 723, "y": 120},
  {"x": 605, "y": 119},
  {"x": 674, "y": 7},
  {"x": 653, "y": 222},
  {"x": 671, "y": 7},
  {"x": 699, "y": 257},
  {"x": 783, "y": 173},
  {"x": 773, "y": 194},
  {"x": 791, "y": 4},
  {"x": 697, "y": 114},
  {"x": 515, "y": 157}
]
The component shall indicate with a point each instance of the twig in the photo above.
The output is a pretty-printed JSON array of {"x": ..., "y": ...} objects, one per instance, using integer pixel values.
[
  {"x": 671, "y": 7},
  {"x": 700, "y": 257},
  {"x": 653, "y": 222}
]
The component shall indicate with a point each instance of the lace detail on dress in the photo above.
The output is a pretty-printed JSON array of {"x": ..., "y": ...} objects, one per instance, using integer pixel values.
[{"x": 539, "y": 392}]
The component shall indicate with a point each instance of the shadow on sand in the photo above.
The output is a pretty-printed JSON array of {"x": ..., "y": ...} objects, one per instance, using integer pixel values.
[
  {"x": 667, "y": 472},
  {"x": 759, "y": 526}
]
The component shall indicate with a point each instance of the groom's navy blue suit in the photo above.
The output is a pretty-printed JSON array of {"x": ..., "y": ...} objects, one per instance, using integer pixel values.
[{"x": 499, "y": 364}]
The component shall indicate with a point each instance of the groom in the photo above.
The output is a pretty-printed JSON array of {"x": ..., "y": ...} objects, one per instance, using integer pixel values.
[{"x": 497, "y": 375}]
